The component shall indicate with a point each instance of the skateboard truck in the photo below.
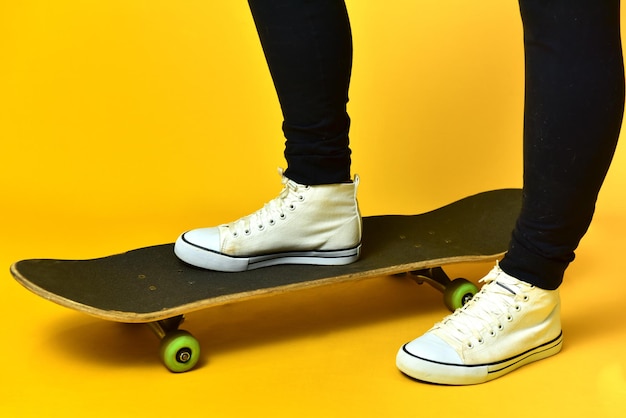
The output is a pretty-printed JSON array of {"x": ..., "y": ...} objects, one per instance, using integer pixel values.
[{"x": 456, "y": 293}]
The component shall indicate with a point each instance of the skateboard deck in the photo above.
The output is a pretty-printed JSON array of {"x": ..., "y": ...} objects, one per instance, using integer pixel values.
[{"x": 150, "y": 285}]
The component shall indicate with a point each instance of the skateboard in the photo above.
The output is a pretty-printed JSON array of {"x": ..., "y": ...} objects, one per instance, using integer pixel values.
[{"x": 150, "y": 285}]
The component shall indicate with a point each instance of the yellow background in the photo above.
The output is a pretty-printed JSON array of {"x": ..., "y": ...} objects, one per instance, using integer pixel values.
[{"x": 125, "y": 122}]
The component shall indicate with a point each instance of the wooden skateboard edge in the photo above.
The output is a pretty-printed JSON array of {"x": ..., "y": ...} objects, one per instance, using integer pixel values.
[{"x": 132, "y": 317}]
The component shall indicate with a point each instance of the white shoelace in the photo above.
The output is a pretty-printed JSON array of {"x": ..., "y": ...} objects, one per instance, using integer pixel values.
[
  {"x": 274, "y": 211},
  {"x": 487, "y": 313}
]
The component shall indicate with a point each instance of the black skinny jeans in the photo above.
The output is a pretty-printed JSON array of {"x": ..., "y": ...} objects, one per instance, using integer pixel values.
[{"x": 574, "y": 105}]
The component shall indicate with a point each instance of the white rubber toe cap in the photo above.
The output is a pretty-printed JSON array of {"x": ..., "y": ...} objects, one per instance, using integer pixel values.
[
  {"x": 201, "y": 248},
  {"x": 205, "y": 238},
  {"x": 430, "y": 359},
  {"x": 431, "y": 348}
]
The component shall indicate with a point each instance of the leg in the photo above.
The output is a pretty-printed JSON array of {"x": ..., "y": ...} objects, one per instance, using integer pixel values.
[
  {"x": 315, "y": 219},
  {"x": 308, "y": 47},
  {"x": 573, "y": 113},
  {"x": 574, "y": 108}
]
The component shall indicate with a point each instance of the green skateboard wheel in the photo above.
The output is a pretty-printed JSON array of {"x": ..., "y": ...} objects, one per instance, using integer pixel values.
[
  {"x": 180, "y": 351},
  {"x": 458, "y": 293}
]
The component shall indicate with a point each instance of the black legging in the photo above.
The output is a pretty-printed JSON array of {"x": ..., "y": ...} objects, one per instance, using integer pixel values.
[
  {"x": 308, "y": 46},
  {"x": 573, "y": 112}
]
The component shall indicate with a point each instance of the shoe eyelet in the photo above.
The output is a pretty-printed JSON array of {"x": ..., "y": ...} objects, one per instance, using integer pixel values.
[
  {"x": 292, "y": 207},
  {"x": 492, "y": 333},
  {"x": 247, "y": 232},
  {"x": 260, "y": 227},
  {"x": 509, "y": 317},
  {"x": 235, "y": 234},
  {"x": 526, "y": 298},
  {"x": 470, "y": 345},
  {"x": 518, "y": 308},
  {"x": 272, "y": 222},
  {"x": 300, "y": 198},
  {"x": 481, "y": 340},
  {"x": 500, "y": 327}
]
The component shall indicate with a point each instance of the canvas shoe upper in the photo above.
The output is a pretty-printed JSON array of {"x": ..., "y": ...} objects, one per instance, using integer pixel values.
[
  {"x": 303, "y": 225},
  {"x": 508, "y": 324}
]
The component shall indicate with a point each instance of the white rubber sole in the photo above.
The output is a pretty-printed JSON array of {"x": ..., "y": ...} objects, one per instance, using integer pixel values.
[
  {"x": 469, "y": 374},
  {"x": 211, "y": 260}
]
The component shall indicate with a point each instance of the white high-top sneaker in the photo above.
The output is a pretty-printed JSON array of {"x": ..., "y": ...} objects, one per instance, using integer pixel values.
[
  {"x": 508, "y": 324},
  {"x": 303, "y": 225}
]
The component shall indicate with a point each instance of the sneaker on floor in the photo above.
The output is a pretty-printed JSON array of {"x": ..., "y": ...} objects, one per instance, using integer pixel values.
[
  {"x": 303, "y": 225},
  {"x": 508, "y": 324}
]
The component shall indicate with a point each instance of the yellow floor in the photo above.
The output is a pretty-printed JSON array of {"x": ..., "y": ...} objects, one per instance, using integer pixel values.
[{"x": 126, "y": 122}]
